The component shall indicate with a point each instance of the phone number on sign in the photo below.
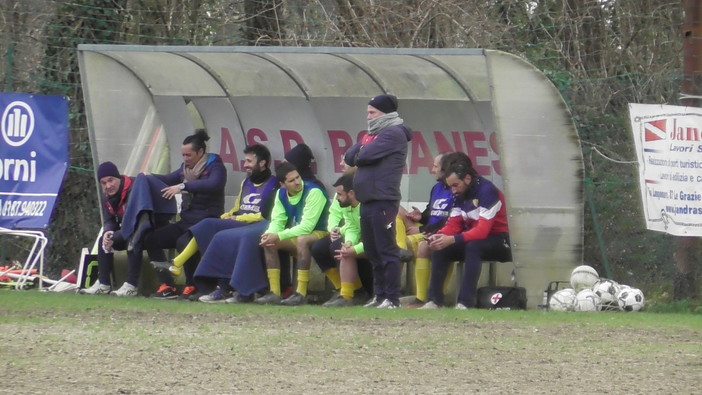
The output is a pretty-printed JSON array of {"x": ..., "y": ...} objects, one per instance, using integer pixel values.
[{"x": 20, "y": 208}]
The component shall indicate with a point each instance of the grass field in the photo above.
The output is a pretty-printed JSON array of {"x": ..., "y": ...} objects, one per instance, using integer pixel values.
[{"x": 104, "y": 345}]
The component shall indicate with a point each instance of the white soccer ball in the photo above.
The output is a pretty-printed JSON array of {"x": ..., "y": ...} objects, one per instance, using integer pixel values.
[
  {"x": 563, "y": 300},
  {"x": 583, "y": 277},
  {"x": 607, "y": 290},
  {"x": 587, "y": 301},
  {"x": 631, "y": 299}
]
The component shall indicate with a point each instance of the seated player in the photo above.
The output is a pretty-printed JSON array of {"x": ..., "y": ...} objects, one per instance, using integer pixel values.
[
  {"x": 299, "y": 218},
  {"x": 476, "y": 229}
]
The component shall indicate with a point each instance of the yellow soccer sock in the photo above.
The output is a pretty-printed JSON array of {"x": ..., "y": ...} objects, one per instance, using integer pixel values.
[
  {"x": 334, "y": 277},
  {"x": 303, "y": 278},
  {"x": 400, "y": 232},
  {"x": 422, "y": 270},
  {"x": 274, "y": 280},
  {"x": 187, "y": 253},
  {"x": 347, "y": 290},
  {"x": 449, "y": 273}
]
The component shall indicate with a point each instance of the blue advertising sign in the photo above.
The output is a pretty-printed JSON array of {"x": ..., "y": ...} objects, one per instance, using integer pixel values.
[{"x": 33, "y": 158}]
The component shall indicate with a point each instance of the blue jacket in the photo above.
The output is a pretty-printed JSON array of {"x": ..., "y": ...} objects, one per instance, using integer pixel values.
[
  {"x": 207, "y": 191},
  {"x": 380, "y": 163}
]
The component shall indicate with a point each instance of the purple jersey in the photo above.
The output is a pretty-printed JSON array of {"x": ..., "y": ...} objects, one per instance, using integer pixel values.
[
  {"x": 254, "y": 197},
  {"x": 440, "y": 201}
]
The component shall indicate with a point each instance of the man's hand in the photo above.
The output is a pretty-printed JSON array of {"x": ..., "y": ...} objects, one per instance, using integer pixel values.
[
  {"x": 169, "y": 192},
  {"x": 335, "y": 235},
  {"x": 439, "y": 241},
  {"x": 346, "y": 251},
  {"x": 107, "y": 240},
  {"x": 269, "y": 239}
]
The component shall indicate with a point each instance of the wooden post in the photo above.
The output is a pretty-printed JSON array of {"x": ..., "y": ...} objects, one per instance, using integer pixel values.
[{"x": 686, "y": 248}]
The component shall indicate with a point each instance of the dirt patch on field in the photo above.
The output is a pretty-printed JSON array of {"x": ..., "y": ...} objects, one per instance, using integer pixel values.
[{"x": 136, "y": 352}]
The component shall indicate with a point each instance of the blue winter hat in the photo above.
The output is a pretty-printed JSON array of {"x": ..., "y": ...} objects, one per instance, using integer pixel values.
[
  {"x": 107, "y": 169},
  {"x": 384, "y": 103}
]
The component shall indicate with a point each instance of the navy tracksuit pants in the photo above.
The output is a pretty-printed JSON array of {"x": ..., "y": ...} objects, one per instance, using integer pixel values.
[
  {"x": 494, "y": 247},
  {"x": 379, "y": 243}
]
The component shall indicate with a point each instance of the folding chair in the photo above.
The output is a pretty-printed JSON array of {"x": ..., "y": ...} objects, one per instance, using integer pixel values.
[{"x": 35, "y": 258}]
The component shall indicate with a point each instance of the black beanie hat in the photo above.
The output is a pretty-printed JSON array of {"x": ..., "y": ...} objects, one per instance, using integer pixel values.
[
  {"x": 384, "y": 103},
  {"x": 301, "y": 157},
  {"x": 107, "y": 169}
]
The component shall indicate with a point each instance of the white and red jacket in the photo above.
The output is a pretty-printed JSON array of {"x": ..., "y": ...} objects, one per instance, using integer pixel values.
[{"x": 478, "y": 213}]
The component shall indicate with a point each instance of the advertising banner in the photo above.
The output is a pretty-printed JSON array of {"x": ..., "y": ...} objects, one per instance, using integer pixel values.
[
  {"x": 33, "y": 158},
  {"x": 669, "y": 149}
]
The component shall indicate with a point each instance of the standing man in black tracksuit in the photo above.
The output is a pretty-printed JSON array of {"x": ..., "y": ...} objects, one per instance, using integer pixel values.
[{"x": 380, "y": 158}]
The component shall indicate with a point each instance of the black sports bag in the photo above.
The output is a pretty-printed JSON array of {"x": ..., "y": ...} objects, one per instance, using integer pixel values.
[{"x": 502, "y": 298}]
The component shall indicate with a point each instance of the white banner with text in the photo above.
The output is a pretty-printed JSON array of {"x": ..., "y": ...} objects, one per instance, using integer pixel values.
[{"x": 669, "y": 149}]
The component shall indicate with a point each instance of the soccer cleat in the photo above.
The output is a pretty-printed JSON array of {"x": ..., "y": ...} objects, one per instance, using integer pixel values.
[
  {"x": 96, "y": 289},
  {"x": 430, "y": 306},
  {"x": 388, "y": 304},
  {"x": 217, "y": 296},
  {"x": 334, "y": 297},
  {"x": 269, "y": 298},
  {"x": 296, "y": 299},
  {"x": 415, "y": 304},
  {"x": 236, "y": 298},
  {"x": 190, "y": 293},
  {"x": 335, "y": 294},
  {"x": 126, "y": 290},
  {"x": 375, "y": 302},
  {"x": 461, "y": 306},
  {"x": 339, "y": 302},
  {"x": 165, "y": 292}
]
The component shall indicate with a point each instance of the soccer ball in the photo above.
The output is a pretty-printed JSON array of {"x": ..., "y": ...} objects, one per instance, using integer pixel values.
[
  {"x": 583, "y": 277},
  {"x": 607, "y": 291},
  {"x": 630, "y": 299},
  {"x": 587, "y": 301},
  {"x": 563, "y": 300}
]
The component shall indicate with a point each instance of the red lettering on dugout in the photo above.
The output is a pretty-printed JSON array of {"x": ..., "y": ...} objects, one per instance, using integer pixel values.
[
  {"x": 474, "y": 143},
  {"x": 256, "y": 136},
  {"x": 475, "y": 152},
  {"x": 339, "y": 141},
  {"x": 227, "y": 150}
]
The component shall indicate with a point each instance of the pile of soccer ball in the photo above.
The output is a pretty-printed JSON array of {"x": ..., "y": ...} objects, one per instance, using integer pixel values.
[{"x": 589, "y": 292}]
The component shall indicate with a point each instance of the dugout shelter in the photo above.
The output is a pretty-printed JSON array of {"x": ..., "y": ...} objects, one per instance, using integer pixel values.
[{"x": 141, "y": 101}]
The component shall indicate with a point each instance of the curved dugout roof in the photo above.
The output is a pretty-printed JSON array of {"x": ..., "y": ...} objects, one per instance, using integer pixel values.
[{"x": 142, "y": 101}]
